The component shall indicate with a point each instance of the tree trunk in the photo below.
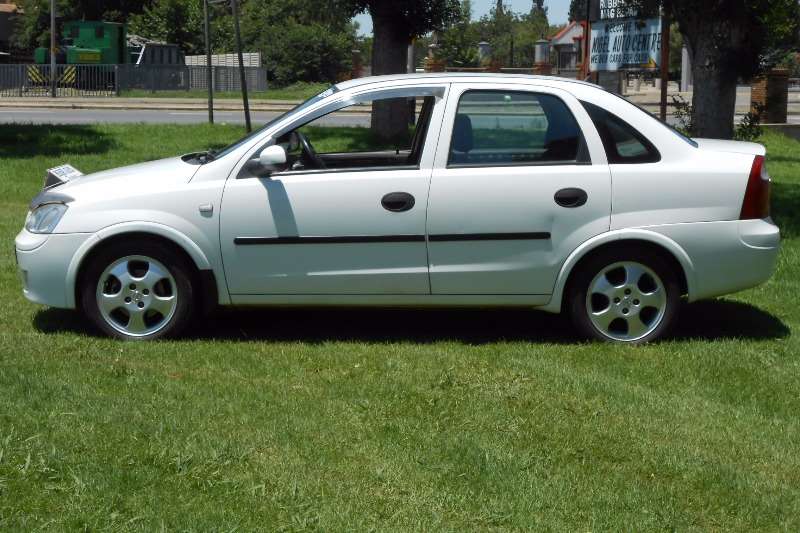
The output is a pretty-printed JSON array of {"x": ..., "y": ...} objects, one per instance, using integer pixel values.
[
  {"x": 390, "y": 118},
  {"x": 714, "y": 95}
]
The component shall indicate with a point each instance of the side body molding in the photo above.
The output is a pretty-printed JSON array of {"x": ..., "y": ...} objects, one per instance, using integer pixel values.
[
  {"x": 641, "y": 234},
  {"x": 200, "y": 258}
]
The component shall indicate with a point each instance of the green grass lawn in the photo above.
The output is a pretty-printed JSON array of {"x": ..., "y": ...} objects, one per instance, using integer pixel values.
[
  {"x": 298, "y": 91},
  {"x": 391, "y": 420}
]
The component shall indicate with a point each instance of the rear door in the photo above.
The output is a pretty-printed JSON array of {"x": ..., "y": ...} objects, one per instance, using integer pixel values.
[{"x": 519, "y": 181}]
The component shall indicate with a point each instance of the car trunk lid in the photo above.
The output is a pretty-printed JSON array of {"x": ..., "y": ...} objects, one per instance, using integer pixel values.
[{"x": 737, "y": 147}]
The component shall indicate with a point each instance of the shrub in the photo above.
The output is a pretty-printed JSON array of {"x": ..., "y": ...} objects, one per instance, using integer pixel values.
[{"x": 296, "y": 52}]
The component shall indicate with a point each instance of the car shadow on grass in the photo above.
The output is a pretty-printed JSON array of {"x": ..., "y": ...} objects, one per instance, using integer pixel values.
[
  {"x": 706, "y": 320},
  {"x": 29, "y": 140}
]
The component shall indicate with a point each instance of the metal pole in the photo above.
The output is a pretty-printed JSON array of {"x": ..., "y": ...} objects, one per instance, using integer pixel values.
[
  {"x": 664, "y": 64},
  {"x": 587, "y": 37},
  {"x": 209, "y": 74},
  {"x": 242, "y": 76},
  {"x": 53, "y": 48}
]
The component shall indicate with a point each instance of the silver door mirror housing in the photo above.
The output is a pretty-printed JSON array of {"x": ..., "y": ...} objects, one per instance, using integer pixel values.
[{"x": 272, "y": 158}]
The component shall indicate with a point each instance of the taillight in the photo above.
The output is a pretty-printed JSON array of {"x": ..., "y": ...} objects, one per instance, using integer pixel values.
[{"x": 756, "y": 197}]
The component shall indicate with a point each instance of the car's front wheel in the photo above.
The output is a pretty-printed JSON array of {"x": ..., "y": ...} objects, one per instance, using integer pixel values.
[
  {"x": 138, "y": 290},
  {"x": 628, "y": 296}
]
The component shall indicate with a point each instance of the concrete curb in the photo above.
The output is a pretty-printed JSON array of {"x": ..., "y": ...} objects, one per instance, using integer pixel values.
[{"x": 23, "y": 103}]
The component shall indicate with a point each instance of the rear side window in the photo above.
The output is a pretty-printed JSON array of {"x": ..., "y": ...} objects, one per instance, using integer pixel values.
[
  {"x": 622, "y": 142},
  {"x": 496, "y": 128}
]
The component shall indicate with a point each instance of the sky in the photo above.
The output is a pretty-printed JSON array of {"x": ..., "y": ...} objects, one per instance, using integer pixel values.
[{"x": 556, "y": 11}]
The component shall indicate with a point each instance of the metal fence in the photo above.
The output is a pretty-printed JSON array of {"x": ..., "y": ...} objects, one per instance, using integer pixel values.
[
  {"x": 71, "y": 80},
  {"x": 111, "y": 80}
]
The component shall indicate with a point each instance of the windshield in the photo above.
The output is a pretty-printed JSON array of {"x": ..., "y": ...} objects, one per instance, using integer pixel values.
[{"x": 305, "y": 105}]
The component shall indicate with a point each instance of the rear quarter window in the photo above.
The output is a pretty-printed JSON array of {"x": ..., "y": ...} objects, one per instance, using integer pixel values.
[{"x": 623, "y": 143}]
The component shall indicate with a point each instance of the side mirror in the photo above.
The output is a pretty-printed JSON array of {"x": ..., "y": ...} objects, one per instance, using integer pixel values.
[{"x": 272, "y": 159}]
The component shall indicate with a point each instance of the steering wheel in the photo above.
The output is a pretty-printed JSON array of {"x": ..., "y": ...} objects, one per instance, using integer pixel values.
[{"x": 309, "y": 154}]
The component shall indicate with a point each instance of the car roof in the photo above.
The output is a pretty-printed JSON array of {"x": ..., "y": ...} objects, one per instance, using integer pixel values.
[{"x": 445, "y": 77}]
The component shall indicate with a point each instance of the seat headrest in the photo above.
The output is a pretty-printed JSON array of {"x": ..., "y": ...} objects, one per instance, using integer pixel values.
[{"x": 462, "y": 134}]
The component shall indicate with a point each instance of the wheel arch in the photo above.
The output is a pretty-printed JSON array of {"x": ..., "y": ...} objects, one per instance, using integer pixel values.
[
  {"x": 206, "y": 278},
  {"x": 658, "y": 243}
]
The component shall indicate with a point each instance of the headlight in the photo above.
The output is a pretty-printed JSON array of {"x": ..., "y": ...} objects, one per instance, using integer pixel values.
[{"x": 44, "y": 218}]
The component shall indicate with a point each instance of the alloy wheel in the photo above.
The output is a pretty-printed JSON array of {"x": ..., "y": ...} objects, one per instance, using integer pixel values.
[
  {"x": 626, "y": 301},
  {"x": 137, "y": 295}
]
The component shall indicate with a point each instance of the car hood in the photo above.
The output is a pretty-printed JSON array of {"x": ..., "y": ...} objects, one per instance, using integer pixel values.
[
  {"x": 171, "y": 169},
  {"x": 737, "y": 147},
  {"x": 133, "y": 180}
]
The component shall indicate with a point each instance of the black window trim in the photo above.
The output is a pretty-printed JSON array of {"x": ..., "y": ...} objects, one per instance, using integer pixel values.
[
  {"x": 639, "y": 136},
  {"x": 383, "y": 168},
  {"x": 583, "y": 147}
]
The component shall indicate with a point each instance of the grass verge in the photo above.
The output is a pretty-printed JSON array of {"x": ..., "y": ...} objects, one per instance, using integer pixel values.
[{"x": 396, "y": 420}]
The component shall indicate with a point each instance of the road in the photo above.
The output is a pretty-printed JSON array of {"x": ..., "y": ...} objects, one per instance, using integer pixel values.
[
  {"x": 114, "y": 116},
  {"x": 94, "y": 116}
]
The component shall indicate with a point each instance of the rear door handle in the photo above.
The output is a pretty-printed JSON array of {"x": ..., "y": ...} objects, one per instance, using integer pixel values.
[
  {"x": 397, "y": 202},
  {"x": 571, "y": 197}
]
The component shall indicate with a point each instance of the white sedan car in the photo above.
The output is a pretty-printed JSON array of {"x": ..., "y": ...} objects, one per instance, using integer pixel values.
[{"x": 507, "y": 190}]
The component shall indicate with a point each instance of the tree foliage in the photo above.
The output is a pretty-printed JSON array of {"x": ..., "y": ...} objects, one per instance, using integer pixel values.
[
  {"x": 513, "y": 36},
  {"x": 172, "y": 21},
  {"x": 577, "y": 10},
  {"x": 305, "y": 52},
  {"x": 33, "y": 23},
  {"x": 409, "y": 18},
  {"x": 459, "y": 39}
]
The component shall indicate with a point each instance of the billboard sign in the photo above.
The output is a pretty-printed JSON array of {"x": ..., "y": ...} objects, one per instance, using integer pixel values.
[
  {"x": 620, "y": 9},
  {"x": 625, "y": 44}
]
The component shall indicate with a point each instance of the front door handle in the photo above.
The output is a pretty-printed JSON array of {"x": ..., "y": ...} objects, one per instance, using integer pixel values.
[
  {"x": 397, "y": 202},
  {"x": 571, "y": 197}
]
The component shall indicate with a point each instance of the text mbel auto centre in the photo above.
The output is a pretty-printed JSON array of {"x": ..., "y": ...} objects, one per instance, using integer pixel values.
[{"x": 623, "y": 38}]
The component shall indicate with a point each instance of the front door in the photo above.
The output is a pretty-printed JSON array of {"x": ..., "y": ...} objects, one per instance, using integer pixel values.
[
  {"x": 520, "y": 180},
  {"x": 347, "y": 216}
]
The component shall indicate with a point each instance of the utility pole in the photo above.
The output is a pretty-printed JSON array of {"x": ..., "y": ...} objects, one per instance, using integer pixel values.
[
  {"x": 209, "y": 68},
  {"x": 587, "y": 37},
  {"x": 242, "y": 76},
  {"x": 664, "y": 64},
  {"x": 53, "y": 48}
]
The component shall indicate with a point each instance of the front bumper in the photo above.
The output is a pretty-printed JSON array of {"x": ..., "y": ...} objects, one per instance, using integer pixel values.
[{"x": 44, "y": 263}]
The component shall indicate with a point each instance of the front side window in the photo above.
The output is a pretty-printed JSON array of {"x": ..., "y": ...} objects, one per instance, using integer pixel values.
[
  {"x": 294, "y": 111},
  {"x": 622, "y": 142},
  {"x": 355, "y": 137},
  {"x": 496, "y": 128}
]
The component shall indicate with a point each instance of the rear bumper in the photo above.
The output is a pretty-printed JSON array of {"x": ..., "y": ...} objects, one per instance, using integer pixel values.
[
  {"x": 727, "y": 256},
  {"x": 43, "y": 262}
]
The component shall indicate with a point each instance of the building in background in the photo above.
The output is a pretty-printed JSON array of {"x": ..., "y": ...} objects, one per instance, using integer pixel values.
[{"x": 567, "y": 46}]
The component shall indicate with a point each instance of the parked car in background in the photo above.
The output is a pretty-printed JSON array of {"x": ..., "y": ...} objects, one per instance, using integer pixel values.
[{"x": 508, "y": 191}]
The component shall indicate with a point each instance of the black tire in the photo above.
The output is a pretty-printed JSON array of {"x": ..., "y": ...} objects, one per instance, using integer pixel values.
[
  {"x": 179, "y": 268},
  {"x": 576, "y": 295}
]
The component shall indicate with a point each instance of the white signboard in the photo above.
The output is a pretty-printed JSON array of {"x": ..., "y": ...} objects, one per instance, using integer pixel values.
[{"x": 625, "y": 44}]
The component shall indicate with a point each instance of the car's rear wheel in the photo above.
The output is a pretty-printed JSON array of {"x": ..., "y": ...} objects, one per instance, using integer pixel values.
[
  {"x": 625, "y": 296},
  {"x": 138, "y": 291}
]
